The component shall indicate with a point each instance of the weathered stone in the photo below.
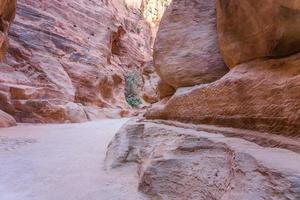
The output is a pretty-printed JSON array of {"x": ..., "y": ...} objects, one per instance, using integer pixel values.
[
  {"x": 186, "y": 51},
  {"x": 260, "y": 95},
  {"x": 252, "y": 29},
  {"x": 181, "y": 163}
]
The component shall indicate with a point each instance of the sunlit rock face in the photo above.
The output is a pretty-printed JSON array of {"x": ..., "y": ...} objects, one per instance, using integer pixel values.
[
  {"x": 7, "y": 13},
  {"x": 67, "y": 57}
]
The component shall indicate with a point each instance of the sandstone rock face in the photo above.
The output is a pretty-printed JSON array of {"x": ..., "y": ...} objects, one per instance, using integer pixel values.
[
  {"x": 7, "y": 13},
  {"x": 260, "y": 95},
  {"x": 176, "y": 163},
  {"x": 151, "y": 80},
  {"x": 6, "y": 120},
  {"x": 253, "y": 29},
  {"x": 71, "y": 52},
  {"x": 186, "y": 51}
]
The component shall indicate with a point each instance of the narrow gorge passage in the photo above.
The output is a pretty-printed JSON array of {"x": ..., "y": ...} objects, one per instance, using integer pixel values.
[{"x": 48, "y": 162}]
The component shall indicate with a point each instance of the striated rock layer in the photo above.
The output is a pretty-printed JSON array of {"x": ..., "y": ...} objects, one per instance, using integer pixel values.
[
  {"x": 176, "y": 163},
  {"x": 68, "y": 57},
  {"x": 260, "y": 95},
  {"x": 186, "y": 47}
]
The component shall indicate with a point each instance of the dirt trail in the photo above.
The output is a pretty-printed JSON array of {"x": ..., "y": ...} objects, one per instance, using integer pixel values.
[{"x": 62, "y": 162}]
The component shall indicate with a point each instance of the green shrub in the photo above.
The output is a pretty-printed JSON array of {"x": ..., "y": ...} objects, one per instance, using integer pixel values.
[
  {"x": 132, "y": 81},
  {"x": 133, "y": 101}
]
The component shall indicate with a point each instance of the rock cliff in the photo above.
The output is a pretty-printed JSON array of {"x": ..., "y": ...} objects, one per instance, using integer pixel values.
[
  {"x": 259, "y": 42},
  {"x": 67, "y": 59}
]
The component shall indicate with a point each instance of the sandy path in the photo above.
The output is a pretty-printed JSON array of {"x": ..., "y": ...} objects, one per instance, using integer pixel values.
[{"x": 62, "y": 162}]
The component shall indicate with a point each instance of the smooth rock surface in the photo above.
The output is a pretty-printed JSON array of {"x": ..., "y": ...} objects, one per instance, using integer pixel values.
[
  {"x": 6, "y": 120},
  {"x": 176, "y": 163},
  {"x": 186, "y": 47},
  {"x": 262, "y": 95},
  {"x": 252, "y": 29}
]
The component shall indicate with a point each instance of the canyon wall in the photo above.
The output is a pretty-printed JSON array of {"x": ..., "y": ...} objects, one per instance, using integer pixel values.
[
  {"x": 258, "y": 41},
  {"x": 69, "y": 58}
]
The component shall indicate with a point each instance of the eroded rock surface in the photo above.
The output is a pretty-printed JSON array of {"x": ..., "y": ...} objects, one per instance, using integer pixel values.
[
  {"x": 253, "y": 29},
  {"x": 186, "y": 51},
  {"x": 67, "y": 55},
  {"x": 261, "y": 95},
  {"x": 176, "y": 163}
]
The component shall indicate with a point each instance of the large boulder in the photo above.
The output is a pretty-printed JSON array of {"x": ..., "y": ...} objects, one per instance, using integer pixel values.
[
  {"x": 251, "y": 29},
  {"x": 186, "y": 51},
  {"x": 182, "y": 163},
  {"x": 6, "y": 120},
  {"x": 261, "y": 95},
  {"x": 7, "y": 14}
]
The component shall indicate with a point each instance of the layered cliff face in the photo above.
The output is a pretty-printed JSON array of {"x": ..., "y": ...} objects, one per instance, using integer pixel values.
[
  {"x": 69, "y": 58},
  {"x": 256, "y": 40}
]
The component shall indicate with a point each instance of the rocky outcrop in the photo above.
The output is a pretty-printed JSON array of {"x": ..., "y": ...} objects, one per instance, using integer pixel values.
[
  {"x": 176, "y": 163},
  {"x": 258, "y": 29},
  {"x": 260, "y": 95},
  {"x": 6, "y": 120},
  {"x": 186, "y": 51},
  {"x": 66, "y": 56},
  {"x": 7, "y": 13}
]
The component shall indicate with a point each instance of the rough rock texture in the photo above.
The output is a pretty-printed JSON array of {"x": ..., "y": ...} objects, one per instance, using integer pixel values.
[
  {"x": 67, "y": 55},
  {"x": 151, "y": 81},
  {"x": 260, "y": 95},
  {"x": 7, "y": 13},
  {"x": 176, "y": 163},
  {"x": 6, "y": 120},
  {"x": 186, "y": 50},
  {"x": 251, "y": 29}
]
